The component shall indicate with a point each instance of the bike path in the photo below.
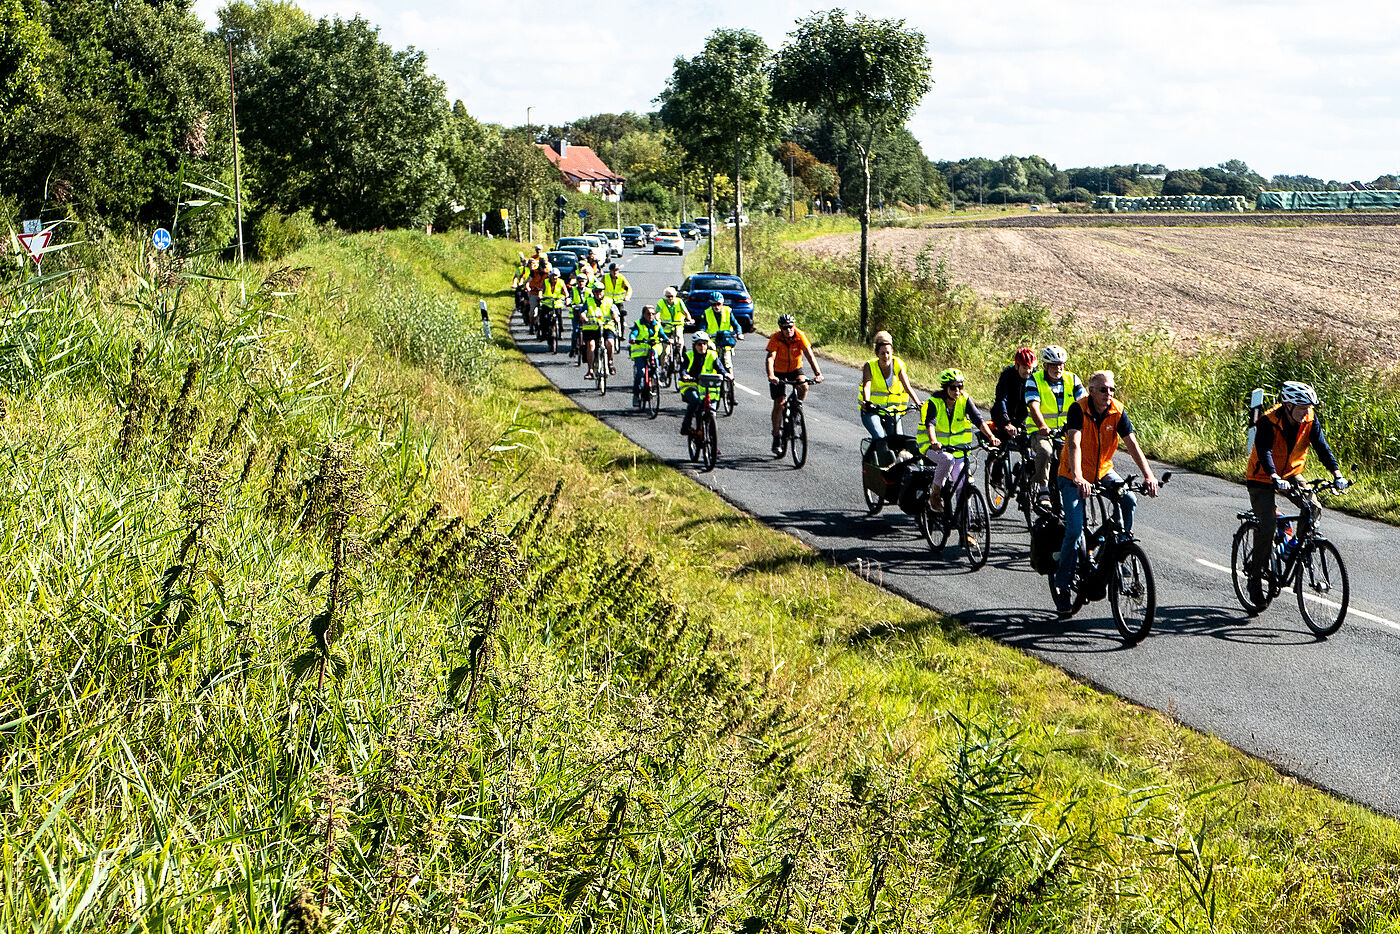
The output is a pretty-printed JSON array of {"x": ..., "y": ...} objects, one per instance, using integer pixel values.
[{"x": 1327, "y": 711}]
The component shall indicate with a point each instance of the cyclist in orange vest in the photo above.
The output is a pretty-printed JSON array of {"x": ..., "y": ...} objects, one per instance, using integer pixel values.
[
  {"x": 1093, "y": 426},
  {"x": 1281, "y": 442}
]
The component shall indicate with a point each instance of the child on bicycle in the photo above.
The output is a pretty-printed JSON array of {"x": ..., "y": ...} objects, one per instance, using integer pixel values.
[
  {"x": 786, "y": 348},
  {"x": 1093, "y": 426},
  {"x": 952, "y": 414},
  {"x": 700, "y": 360},
  {"x": 1281, "y": 442}
]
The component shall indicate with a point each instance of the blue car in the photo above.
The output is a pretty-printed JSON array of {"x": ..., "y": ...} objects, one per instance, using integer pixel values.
[
  {"x": 697, "y": 288},
  {"x": 564, "y": 260}
]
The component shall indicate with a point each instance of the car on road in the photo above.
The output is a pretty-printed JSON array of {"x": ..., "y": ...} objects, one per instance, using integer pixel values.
[
  {"x": 614, "y": 238},
  {"x": 668, "y": 241},
  {"x": 649, "y": 230},
  {"x": 634, "y": 236},
  {"x": 590, "y": 244},
  {"x": 696, "y": 291},
  {"x": 566, "y": 261},
  {"x": 600, "y": 246},
  {"x": 690, "y": 231}
]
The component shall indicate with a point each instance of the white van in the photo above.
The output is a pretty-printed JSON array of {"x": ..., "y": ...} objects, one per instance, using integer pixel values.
[{"x": 614, "y": 239}]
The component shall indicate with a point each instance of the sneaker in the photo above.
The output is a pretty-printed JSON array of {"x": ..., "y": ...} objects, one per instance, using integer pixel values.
[
  {"x": 1063, "y": 605},
  {"x": 589, "y": 375},
  {"x": 777, "y": 445}
]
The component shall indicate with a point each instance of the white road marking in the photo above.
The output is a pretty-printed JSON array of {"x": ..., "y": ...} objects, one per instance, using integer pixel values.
[
  {"x": 752, "y": 392},
  {"x": 1314, "y": 597}
]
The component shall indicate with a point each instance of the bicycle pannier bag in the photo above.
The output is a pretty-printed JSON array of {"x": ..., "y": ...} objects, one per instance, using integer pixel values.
[{"x": 1047, "y": 535}]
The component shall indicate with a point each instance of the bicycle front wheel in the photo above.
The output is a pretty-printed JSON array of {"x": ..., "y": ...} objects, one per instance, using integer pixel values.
[
  {"x": 997, "y": 480},
  {"x": 797, "y": 442},
  {"x": 726, "y": 398},
  {"x": 975, "y": 527},
  {"x": 709, "y": 442},
  {"x": 1132, "y": 593},
  {"x": 602, "y": 374},
  {"x": 651, "y": 401},
  {"x": 1322, "y": 587}
]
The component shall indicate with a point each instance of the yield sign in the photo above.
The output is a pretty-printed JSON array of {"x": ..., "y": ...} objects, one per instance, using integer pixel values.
[{"x": 35, "y": 244}]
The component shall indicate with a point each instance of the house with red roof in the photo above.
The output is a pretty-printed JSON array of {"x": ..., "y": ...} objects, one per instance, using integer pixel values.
[{"x": 583, "y": 171}]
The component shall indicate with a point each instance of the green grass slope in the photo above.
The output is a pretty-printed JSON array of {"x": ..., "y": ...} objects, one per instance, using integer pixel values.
[{"x": 324, "y": 614}]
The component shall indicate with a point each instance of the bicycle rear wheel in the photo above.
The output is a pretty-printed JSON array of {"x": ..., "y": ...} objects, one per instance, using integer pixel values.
[
  {"x": 975, "y": 528},
  {"x": 873, "y": 503},
  {"x": 1132, "y": 593},
  {"x": 1324, "y": 592},
  {"x": 726, "y": 398},
  {"x": 709, "y": 442},
  {"x": 1241, "y": 552},
  {"x": 602, "y": 373},
  {"x": 651, "y": 388},
  {"x": 797, "y": 443},
  {"x": 996, "y": 478}
]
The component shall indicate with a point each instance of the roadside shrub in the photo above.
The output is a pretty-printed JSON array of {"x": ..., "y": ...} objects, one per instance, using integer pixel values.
[
  {"x": 431, "y": 331},
  {"x": 276, "y": 235}
]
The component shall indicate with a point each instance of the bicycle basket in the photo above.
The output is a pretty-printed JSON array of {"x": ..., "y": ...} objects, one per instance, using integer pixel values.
[{"x": 1047, "y": 536}]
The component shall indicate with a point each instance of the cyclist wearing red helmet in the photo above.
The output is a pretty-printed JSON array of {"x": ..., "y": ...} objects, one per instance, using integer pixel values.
[{"x": 1009, "y": 404}]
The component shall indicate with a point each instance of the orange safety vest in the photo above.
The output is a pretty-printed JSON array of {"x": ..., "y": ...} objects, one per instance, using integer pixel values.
[
  {"x": 1287, "y": 461},
  {"x": 1097, "y": 443}
]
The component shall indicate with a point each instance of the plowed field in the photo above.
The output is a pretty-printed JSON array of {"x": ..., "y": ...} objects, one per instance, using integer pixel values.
[{"x": 1222, "y": 282}]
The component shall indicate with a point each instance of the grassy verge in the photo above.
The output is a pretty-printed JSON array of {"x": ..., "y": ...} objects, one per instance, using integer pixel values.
[
  {"x": 1188, "y": 404},
  {"x": 418, "y": 641}
]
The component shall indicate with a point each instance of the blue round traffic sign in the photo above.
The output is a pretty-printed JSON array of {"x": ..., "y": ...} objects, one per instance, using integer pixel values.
[
  {"x": 582, "y": 213},
  {"x": 161, "y": 239}
]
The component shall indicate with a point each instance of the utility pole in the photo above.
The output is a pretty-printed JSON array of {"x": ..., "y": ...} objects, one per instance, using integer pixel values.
[
  {"x": 792, "y": 192},
  {"x": 237, "y": 182},
  {"x": 531, "y": 138}
]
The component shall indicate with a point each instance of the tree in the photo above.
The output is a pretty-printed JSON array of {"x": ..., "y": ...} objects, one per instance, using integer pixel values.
[
  {"x": 719, "y": 103},
  {"x": 255, "y": 29},
  {"x": 464, "y": 154},
  {"x": 867, "y": 75},
  {"x": 348, "y": 127},
  {"x": 519, "y": 171},
  {"x": 1183, "y": 183}
]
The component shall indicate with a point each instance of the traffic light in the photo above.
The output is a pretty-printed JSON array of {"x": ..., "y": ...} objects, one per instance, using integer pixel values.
[
  {"x": 559, "y": 214},
  {"x": 561, "y": 203}
]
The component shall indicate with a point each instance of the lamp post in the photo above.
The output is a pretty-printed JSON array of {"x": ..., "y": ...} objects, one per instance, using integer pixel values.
[{"x": 531, "y": 138}]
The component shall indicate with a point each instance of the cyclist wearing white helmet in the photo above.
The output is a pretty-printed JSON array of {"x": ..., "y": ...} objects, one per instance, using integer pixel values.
[
  {"x": 700, "y": 360},
  {"x": 1050, "y": 391},
  {"x": 1281, "y": 442},
  {"x": 786, "y": 348}
]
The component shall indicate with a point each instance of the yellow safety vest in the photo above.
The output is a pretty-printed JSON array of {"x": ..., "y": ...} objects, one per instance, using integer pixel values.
[
  {"x": 553, "y": 292},
  {"x": 615, "y": 287},
  {"x": 710, "y": 367},
  {"x": 724, "y": 321},
  {"x": 949, "y": 427},
  {"x": 644, "y": 337},
  {"x": 598, "y": 314},
  {"x": 671, "y": 314},
  {"x": 891, "y": 393},
  {"x": 1052, "y": 408}
]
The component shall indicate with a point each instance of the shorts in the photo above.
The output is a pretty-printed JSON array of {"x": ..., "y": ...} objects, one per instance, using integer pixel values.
[
  {"x": 778, "y": 390},
  {"x": 589, "y": 333}
]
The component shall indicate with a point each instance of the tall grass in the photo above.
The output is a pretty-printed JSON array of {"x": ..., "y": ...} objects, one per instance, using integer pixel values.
[
  {"x": 304, "y": 635},
  {"x": 1188, "y": 402}
]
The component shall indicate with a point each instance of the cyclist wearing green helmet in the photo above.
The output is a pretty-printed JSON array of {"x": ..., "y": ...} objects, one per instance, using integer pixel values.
[{"x": 946, "y": 419}]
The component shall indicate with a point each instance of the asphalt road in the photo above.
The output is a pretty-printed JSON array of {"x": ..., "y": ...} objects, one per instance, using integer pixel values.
[{"x": 1327, "y": 711}]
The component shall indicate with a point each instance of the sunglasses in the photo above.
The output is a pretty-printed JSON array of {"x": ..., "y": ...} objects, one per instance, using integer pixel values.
[
  {"x": 789, "y": 327},
  {"x": 1108, "y": 389},
  {"x": 955, "y": 385}
]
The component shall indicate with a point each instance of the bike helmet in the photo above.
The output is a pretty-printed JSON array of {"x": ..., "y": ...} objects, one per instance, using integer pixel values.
[
  {"x": 716, "y": 298},
  {"x": 1298, "y": 393},
  {"x": 1054, "y": 354},
  {"x": 699, "y": 337},
  {"x": 786, "y": 320},
  {"x": 598, "y": 287},
  {"x": 950, "y": 375},
  {"x": 1024, "y": 357}
]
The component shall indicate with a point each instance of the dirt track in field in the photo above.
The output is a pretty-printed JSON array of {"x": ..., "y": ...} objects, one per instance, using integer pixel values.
[{"x": 1228, "y": 283}]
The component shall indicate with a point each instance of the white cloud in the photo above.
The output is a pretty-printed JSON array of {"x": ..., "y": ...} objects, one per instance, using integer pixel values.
[{"x": 1288, "y": 86}]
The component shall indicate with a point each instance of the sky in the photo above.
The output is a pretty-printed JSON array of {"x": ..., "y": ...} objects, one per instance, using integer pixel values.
[{"x": 1301, "y": 87}]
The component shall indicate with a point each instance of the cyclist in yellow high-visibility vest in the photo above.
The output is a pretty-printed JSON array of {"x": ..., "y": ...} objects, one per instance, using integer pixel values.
[
  {"x": 883, "y": 381},
  {"x": 599, "y": 319},
  {"x": 645, "y": 337},
  {"x": 699, "y": 361},
  {"x": 1050, "y": 391},
  {"x": 554, "y": 293},
  {"x": 674, "y": 316},
  {"x": 952, "y": 414}
]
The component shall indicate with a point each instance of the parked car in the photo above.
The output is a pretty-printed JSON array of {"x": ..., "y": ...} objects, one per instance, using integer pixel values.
[
  {"x": 668, "y": 241},
  {"x": 614, "y": 238},
  {"x": 634, "y": 236},
  {"x": 696, "y": 290},
  {"x": 704, "y": 224},
  {"x": 649, "y": 230},
  {"x": 690, "y": 231},
  {"x": 566, "y": 261}
]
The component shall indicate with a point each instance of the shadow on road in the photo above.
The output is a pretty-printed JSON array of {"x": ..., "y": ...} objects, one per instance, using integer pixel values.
[
  {"x": 1228, "y": 623},
  {"x": 1038, "y": 629}
]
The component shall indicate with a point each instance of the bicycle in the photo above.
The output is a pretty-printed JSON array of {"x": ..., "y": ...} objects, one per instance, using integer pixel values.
[
  {"x": 575, "y": 336},
  {"x": 1005, "y": 479},
  {"x": 1306, "y": 555},
  {"x": 649, "y": 391},
  {"x": 792, "y": 436},
  {"x": 1112, "y": 563},
  {"x": 703, "y": 440},
  {"x": 964, "y": 509},
  {"x": 547, "y": 326},
  {"x": 671, "y": 355},
  {"x": 725, "y": 341},
  {"x": 602, "y": 360},
  {"x": 877, "y": 484}
]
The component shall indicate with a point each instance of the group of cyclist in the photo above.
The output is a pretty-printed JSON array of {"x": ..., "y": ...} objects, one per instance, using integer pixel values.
[{"x": 1072, "y": 431}]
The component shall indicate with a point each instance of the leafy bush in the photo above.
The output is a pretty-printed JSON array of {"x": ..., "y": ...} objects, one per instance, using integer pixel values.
[{"x": 276, "y": 235}]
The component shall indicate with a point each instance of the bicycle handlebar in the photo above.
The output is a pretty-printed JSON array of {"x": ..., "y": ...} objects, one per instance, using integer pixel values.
[
  {"x": 1131, "y": 483},
  {"x": 795, "y": 380},
  {"x": 894, "y": 409}
]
